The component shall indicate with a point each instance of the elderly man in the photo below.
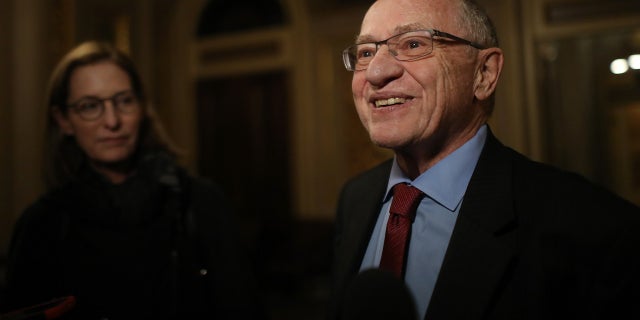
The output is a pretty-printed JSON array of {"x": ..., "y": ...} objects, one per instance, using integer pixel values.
[{"x": 474, "y": 229}]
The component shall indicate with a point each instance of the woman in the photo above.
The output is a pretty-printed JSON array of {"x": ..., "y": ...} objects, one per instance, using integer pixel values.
[{"x": 123, "y": 229}]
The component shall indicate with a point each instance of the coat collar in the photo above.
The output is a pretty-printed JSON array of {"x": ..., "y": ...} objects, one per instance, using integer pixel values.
[{"x": 366, "y": 205}]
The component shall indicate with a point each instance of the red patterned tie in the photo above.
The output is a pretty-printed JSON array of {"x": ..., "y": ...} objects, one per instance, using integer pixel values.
[{"x": 402, "y": 213}]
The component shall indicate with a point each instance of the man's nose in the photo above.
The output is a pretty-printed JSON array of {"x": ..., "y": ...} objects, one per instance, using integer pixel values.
[{"x": 383, "y": 68}]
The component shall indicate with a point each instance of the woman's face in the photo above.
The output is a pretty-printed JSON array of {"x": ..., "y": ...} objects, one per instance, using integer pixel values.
[{"x": 111, "y": 138}]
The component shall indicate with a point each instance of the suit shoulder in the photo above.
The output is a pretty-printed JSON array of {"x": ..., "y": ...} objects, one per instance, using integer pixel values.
[
  {"x": 364, "y": 179},
  {"x": 566, "y": 189},
  {"x": 367, "y": 185}
]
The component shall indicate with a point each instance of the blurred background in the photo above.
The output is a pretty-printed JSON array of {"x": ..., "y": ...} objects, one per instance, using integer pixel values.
[{"x": 255, "y": 93}]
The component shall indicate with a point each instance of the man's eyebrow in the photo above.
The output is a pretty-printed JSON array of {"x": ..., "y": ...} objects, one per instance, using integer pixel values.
[
  {"x": 397, "y": 30},
  {"x": 363, "y": 38},
  {"x": 409, "y": 27}
]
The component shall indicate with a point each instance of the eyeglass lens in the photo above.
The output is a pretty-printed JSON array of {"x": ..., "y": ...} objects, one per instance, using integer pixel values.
[
  {"x": 93, "y": 108},
  {"x": 404, "y": 47}
]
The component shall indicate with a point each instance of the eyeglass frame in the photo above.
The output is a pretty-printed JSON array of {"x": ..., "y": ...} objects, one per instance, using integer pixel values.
[
  {"x": 117, "y": 105},
  {"x": 432, "y": 32}
]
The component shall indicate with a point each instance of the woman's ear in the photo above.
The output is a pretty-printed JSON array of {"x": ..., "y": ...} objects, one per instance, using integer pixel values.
[
  {"x": 62, "y": 120},
  {"x": 488, "y": 72}
]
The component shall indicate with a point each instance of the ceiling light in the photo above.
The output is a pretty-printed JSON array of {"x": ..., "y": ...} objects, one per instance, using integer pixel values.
[
  {"x": 619, "y": 66},
  {"x": 634, "y": 61}
]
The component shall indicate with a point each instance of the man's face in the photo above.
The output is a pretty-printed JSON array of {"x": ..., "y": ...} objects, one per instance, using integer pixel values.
[{"x": 423, "y": 103}]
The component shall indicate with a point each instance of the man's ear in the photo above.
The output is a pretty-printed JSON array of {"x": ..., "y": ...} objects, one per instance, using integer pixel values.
[
  {"x": 62, "y": 120},
  {"x": 488, "y": 72}
]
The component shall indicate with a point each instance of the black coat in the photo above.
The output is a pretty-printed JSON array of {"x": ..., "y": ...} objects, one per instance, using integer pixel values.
[
  {"x": 530, "y": 242},
  {"x": 161, "y": 245}
]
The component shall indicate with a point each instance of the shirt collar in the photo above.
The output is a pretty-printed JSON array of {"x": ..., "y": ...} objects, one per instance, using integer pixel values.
[{"x": 445, "y": 182}]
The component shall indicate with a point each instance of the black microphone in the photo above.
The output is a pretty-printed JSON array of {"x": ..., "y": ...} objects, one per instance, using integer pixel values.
[{"x": 378, "y": 294}]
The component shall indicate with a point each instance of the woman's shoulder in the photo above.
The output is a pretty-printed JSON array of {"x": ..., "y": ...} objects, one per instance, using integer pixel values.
[
  {"x": 206, "y": 186},
  {"x": 40, "y": 223},
  {"x": 199, "y": 186},
  {"x": 45, "y": 208}
]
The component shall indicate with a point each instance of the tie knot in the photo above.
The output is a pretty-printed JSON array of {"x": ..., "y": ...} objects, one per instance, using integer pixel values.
[{"x": 405, "y": 200}]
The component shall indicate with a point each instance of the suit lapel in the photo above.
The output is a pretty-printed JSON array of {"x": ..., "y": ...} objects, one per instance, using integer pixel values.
[
  {"x": 481, "y": 245},
  {"x": 362, "y": 212}
]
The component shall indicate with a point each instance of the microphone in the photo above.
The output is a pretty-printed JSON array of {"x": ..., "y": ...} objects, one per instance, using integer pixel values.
[
  {"x": 378, "y": 294},
  {"x": 52, "y": 309}
]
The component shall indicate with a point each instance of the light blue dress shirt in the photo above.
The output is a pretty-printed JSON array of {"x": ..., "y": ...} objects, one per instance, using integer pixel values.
[{"x": 444, "y": 186}]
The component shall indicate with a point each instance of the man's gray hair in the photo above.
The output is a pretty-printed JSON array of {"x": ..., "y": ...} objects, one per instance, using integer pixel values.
[{"x": 476, "y": 21}]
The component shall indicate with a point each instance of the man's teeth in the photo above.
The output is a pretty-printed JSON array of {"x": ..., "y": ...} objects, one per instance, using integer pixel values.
[{"x": 388, "y": 102}]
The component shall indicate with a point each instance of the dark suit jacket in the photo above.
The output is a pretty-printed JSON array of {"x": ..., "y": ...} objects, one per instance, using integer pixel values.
[{"x": 530, "y": 242}]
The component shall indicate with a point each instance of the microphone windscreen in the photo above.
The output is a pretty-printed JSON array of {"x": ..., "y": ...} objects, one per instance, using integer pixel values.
[{"x": 378, "y": 294}]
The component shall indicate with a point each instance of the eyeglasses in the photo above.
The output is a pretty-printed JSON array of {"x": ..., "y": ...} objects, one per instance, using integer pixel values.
[
  {"x": 406, "y": 46},
  {"x": 91, "y": 108}
]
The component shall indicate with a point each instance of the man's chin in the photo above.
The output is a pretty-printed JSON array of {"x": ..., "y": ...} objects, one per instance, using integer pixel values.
[{"x": 386, "y": 143}]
